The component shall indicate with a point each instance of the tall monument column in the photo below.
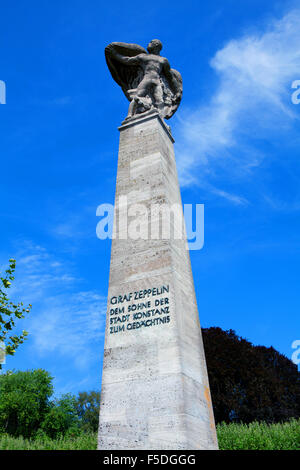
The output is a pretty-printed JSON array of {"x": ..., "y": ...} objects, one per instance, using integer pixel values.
[{"x": 155, "y": 392}]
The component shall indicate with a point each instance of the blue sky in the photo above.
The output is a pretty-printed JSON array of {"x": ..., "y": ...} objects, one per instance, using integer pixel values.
[{"x": 237, "y": 150}]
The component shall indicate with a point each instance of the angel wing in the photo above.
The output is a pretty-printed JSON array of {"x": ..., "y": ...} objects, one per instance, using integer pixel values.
[
  {"x": 172, "y": 88},
  {"x": 128, "y": 76}
]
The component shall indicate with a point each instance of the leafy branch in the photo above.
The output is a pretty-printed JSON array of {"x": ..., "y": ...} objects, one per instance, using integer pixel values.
[{"x": 10, "y": 312}]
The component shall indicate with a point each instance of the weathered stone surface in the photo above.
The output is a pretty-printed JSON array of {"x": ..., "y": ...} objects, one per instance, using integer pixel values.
[{"x": 155, "y": 391}]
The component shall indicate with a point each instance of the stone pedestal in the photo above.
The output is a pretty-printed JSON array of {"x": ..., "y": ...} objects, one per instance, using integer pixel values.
[{"x": 155, "y": 392}]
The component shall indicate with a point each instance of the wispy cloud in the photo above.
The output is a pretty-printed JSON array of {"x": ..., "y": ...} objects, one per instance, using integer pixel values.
[
  {"x": 65, "y": 320},
  {"x": 252, "y": 101},
  {"x": 56, "y": 101},
  {"x": 69, "y": 326}
]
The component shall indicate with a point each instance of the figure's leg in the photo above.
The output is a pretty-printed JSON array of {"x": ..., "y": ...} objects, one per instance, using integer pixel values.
[
  {"x": 158, "y": 98},
  {"x": 140, "y": 92}
]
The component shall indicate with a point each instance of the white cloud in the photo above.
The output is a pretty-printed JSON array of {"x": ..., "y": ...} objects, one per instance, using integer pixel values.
[
  {"x": 252, "y": 100},
  {"x": 68, "y": 326},
  {"x": 65, "y": 320}
]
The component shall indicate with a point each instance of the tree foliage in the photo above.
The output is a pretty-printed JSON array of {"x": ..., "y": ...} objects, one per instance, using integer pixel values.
[
  {"x": 24, "y": 401},
  {"x": 27, "y": 408},
  {"x": 249, "y": 383},
  {"x": 88, "y": 404},
  {"x": 10, "y": 312},
  {"x": 62, "y": 417}
]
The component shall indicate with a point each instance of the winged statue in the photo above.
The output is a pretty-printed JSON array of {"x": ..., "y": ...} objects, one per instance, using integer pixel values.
[{"x": 146, "y": 78}]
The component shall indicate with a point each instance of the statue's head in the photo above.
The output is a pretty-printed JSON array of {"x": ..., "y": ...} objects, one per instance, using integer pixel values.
[{"x": 154, "y": 46}]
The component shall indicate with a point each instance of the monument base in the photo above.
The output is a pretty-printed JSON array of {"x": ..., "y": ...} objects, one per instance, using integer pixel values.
[{"x": 155, "y": 392}]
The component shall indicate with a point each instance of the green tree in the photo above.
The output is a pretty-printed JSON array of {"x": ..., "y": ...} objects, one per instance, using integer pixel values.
[
  {"x": 24, "y": 401},
  {"x": 249, "y": 383},
  {"x": 88, "y": 404},
  {"x": 9, "y": 312},
  {"x": 61, "y": 417}
]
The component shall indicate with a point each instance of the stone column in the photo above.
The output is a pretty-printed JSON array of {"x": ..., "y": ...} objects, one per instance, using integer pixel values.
[{"x": 155, "y": 392}]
